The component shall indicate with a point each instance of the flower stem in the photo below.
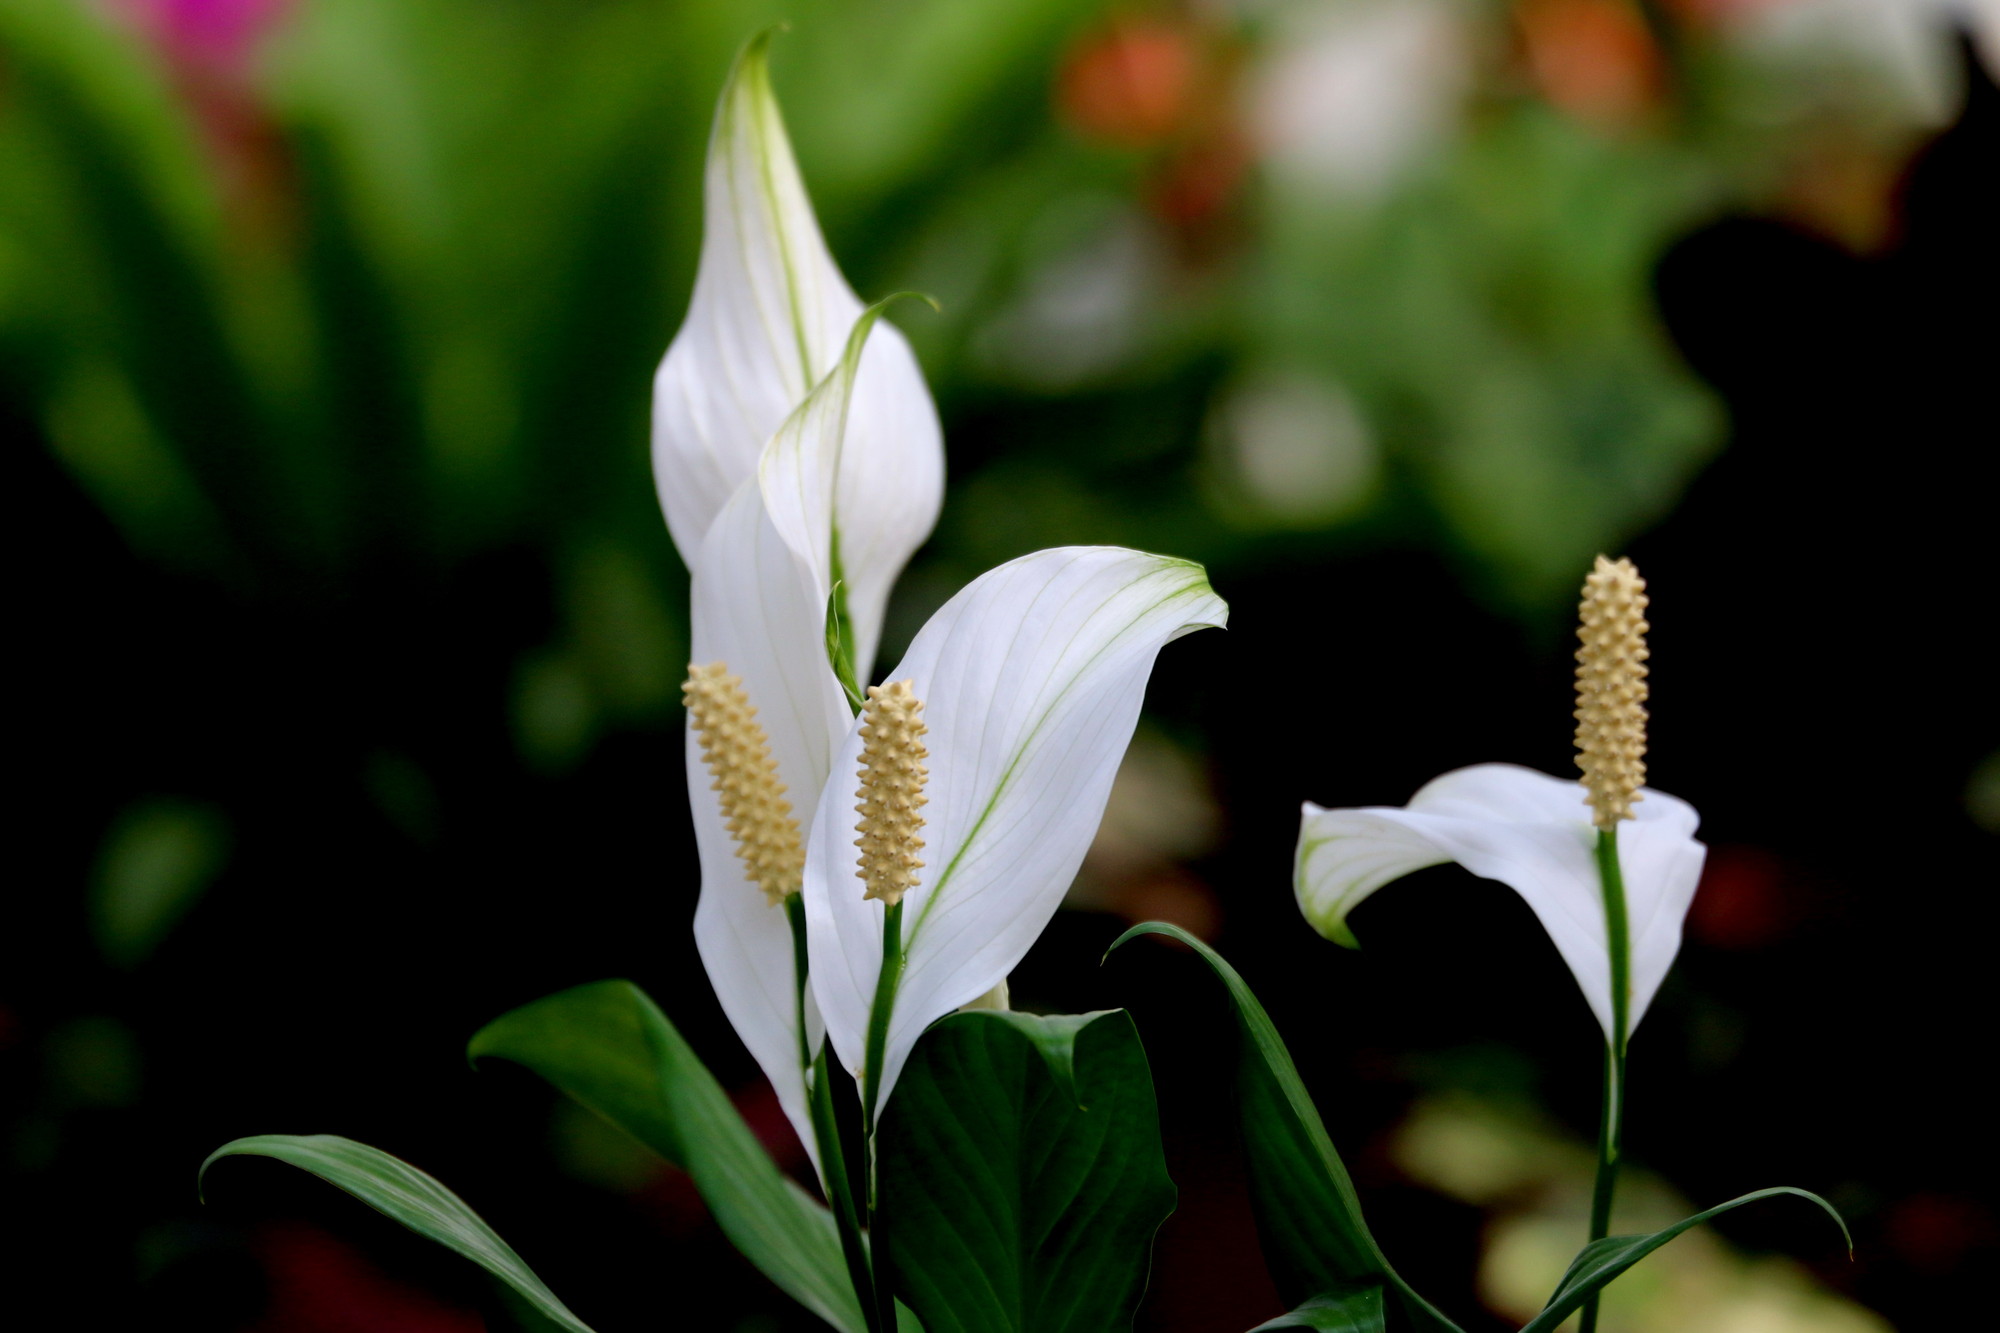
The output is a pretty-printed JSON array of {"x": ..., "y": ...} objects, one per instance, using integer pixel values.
[
  {"x": 826, "y": 1131},
  {"x": 871, "y": 1091},
  {"x": 1610, "y": 1130},
  {"x": 840, "y": 1192},
  {"x": 878, "y": 1014},
  {"x": 795, "y": 914}
]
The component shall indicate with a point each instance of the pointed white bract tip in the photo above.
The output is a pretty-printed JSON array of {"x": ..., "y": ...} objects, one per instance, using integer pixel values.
[
  {"x": 996, "y": 1000},
  {"x": 891, "y": 791},
  {"x": 1611, "y": 690},
  {"x": 738, "y": 755}
]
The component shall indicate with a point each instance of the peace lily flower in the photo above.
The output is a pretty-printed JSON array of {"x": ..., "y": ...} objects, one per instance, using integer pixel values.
[
  {"x": 766, "y": 713},
  {"x": 1533, "y": 833},
  {"x": 1539, "y": 835},
  {"x": 768, "y": 319},
  {"x": 799, "y": 463},
  {"x": 983, "y": 770}
]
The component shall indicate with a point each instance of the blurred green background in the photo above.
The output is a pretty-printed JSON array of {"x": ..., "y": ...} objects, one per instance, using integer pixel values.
[{"x": 326, "y": 329}]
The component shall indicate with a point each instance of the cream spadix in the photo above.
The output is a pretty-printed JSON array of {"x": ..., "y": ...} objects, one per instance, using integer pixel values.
[
  {"x": 891, "y": 792},
  {"x": 1031, "y": 680},
  {"x": 1611, "y": 689},
  {"x": 744, "y": 777}
]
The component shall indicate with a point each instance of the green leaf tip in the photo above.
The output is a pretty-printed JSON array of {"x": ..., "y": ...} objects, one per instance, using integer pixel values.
[
  {"x": 405, "y": 1194},
  {"x": 1601, "y": 1261},
  {"x": 1166, "y": 928},
  {"x": 1053, "y": 1037}
]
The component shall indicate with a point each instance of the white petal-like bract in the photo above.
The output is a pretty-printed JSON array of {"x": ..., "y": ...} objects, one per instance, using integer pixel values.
[
  {"x": 1532, "y": 833},
  {"x": 853, "y": 481},
  {"x": 1031, "y": 679},
  {"x": 756, "y": 609},
  {"x": 768, "y": 319}
]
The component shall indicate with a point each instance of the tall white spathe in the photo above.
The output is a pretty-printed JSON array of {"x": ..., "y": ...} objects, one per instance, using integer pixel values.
[
  {"x": 794, "y": 445},
  {"x": 769, "y": 318}
]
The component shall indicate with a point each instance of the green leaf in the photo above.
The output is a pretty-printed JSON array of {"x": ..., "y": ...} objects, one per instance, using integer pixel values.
[
  {"x": 590, "y": 1042},
  {"x": 1315, "y": 1241},
  {"x": 610, "y": 1048},
  {"x": 396, "y": 1189},
  {"x": 1021, "y": 1174},
  {"x": 1602, "y": 1260},
  {"x": 1358, "y": 1311}
]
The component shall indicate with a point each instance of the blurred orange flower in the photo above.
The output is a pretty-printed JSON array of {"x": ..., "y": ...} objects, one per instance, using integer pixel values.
[
  {"x": 1134, "y": 83},
  {"x": 1594, "y": 59}
]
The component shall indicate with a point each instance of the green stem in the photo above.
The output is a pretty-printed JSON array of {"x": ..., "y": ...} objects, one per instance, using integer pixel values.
[
  {"x": 795, "y": 914},
  {"x": 878, "y": 1018},
  {"x": 840, "y": 1192},
  {"x": 1611, "y": 1122},
  {"x": 871, "y": 1092},
  {"x": 826, "y": 1130}
]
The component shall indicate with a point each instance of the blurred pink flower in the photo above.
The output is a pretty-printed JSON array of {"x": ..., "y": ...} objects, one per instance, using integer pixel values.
[
  {"x": 214, "y": 37},
  {"x": 209, "y": 49}
]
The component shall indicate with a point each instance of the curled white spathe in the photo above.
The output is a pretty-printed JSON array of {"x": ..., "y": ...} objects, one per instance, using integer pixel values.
[{"x": 1532, "y": 833}]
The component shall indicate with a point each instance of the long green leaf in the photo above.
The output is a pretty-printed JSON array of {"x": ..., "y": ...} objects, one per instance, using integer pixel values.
[
  {"x": 1602, "y": 1260},
  {"x": 1021, "y": 1174},
  {"x": 396, "y": 1189},
  {"x": 610, "y": 1048},
  {"x": 1358, "y": 1311},
  {"x": 1315, "y": 1241}
]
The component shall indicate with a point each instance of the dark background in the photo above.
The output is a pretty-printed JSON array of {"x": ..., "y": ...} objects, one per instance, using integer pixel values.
[{"x": 391, "y": 783}]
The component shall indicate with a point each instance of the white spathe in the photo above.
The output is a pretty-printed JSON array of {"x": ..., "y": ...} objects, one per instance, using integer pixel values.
[
  {"x": 1532, "y": 833},
  {"x": 755, "y": 607},
  {"x": 768, "y": 319},
  {"x": 1031, "y": 679}
]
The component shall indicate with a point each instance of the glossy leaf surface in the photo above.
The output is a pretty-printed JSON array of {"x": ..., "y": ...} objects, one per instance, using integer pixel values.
[
  {"x": 1315, "y": 1240},
  {"x": 1021, "y": 1174},
  {"x": 398, "y": 1190},
  {"x": 1601, "y": 1261},
  {"x": 610, "y": 1048}
]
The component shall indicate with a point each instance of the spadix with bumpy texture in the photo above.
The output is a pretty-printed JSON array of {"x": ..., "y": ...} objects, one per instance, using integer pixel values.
[
  {"x": 1611, "y": 689},
  {"x": 891, "y": 791},
  {"x": 1031, "y": 680},
  {"x": 738, "y": 755}
]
